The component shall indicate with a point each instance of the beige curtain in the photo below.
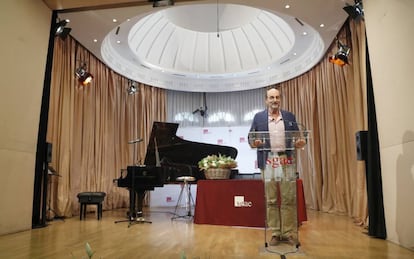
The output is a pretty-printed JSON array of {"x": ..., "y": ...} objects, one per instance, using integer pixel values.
[
  {"x": 90, "y": 126},
  {"x": 331, "y": 102}
]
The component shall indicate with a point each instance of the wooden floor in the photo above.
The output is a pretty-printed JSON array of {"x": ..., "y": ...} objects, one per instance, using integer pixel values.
[{"x": 322, "y": 236}]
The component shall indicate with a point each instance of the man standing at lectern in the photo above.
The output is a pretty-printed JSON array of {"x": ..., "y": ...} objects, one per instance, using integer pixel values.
[{"x": 281, "y": 212}]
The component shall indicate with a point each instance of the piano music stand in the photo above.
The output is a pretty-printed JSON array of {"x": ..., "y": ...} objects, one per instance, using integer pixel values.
[{"x": 51, "y": 172}]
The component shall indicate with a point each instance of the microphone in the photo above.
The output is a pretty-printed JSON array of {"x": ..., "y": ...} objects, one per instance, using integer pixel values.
[{"x": 135, "y": 141}]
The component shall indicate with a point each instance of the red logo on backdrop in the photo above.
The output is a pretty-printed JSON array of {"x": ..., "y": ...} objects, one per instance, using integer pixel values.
[
  {"x": 205, "y": 131},
  {"x": 242, "y": 139},
  {"x": 219, "y": 141},
  {"x": 279, "y": 161}
]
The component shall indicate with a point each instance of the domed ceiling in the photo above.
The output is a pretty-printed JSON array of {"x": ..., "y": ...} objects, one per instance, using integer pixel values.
[{"x": 203, "y": 46}]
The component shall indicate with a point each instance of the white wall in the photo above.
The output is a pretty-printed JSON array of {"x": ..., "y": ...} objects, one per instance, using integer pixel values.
[
  {"x": 24, "y": 25},
  {"x": 169, "y": 195},
  {"x": 227, "y": 136},
  {"x": 389, "y": 26}
]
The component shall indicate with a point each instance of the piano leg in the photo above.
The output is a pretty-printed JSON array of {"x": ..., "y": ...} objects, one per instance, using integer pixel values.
[
  {"x": 132, "y": 200},
  {"x": 135, "y": 216},
  {"x": 139, "y": 213}
]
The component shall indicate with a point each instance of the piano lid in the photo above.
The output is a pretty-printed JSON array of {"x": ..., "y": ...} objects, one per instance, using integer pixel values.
[{"x": 173, "y": 149}]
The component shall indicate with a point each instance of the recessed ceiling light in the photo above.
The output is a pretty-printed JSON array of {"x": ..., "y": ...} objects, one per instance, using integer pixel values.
[
  {"x": 114, "y": 20},
  {"x": 95, "y": 40},
  {"x": 322, "y": 25},
  {"x": 287, "y": 6},
  {"x": 118, "y": 41},
  {"x": 304, "y": 33}
]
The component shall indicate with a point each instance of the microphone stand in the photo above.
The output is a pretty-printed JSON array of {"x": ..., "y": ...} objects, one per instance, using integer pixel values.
[{"x": 135, "y": 141}]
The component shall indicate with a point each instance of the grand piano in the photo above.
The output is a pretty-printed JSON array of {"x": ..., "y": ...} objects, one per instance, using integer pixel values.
[{"x": 167, "y": 157}]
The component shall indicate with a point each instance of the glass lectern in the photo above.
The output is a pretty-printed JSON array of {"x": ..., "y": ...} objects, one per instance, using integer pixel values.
[{"x": 278, "y": 153}]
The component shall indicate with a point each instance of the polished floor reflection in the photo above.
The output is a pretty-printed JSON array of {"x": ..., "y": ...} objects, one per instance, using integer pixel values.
[{"x": 322, "y": 236}]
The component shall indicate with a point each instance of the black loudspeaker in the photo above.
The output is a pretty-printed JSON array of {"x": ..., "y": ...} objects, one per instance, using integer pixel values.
[
  {"x": 48, "y": 152},
  {"x": 361, "y": 144}
]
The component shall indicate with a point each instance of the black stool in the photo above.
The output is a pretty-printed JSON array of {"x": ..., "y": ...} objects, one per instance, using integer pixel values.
[{"x": 94, "y": 198}]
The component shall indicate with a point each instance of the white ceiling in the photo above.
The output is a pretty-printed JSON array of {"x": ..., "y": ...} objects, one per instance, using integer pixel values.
[{"x": 208, "y": 46}]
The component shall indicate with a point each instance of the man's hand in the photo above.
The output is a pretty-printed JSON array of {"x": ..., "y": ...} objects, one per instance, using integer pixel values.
[
  {"x": 257, "y": 143},
  {"x": 300, "y": 143}
]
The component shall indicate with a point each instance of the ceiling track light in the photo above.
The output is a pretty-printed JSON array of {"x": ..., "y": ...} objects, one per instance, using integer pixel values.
[
  {"x": 61, "y": 30},
  {"x": 161, "y": 3},
  {"x": 84, "y": 77},
  {"x": 132, "y": 88},
  {"x": 341, "y": 57},
  {"x": 355, "y": 11}
]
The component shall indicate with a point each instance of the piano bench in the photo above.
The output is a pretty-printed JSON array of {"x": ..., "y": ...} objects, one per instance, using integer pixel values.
[{"x": 93, "y": 198}]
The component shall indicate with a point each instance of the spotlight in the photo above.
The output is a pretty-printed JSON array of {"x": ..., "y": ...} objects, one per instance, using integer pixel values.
[
  {"x": 84, "y": 77},
  {"x": 132, "y": 89},
  {"x": 355, "y": 11},
  {"x": 161, "y": 3},
  {"x": 61, "y": 30},
  {"x": 341, "y": 57}
]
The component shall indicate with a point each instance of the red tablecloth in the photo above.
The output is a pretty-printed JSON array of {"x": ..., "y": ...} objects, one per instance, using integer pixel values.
[{"x": 236, "y": 203}]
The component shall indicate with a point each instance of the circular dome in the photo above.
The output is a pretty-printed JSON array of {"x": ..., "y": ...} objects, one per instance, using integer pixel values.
[{"x": 212, "y": 48}]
